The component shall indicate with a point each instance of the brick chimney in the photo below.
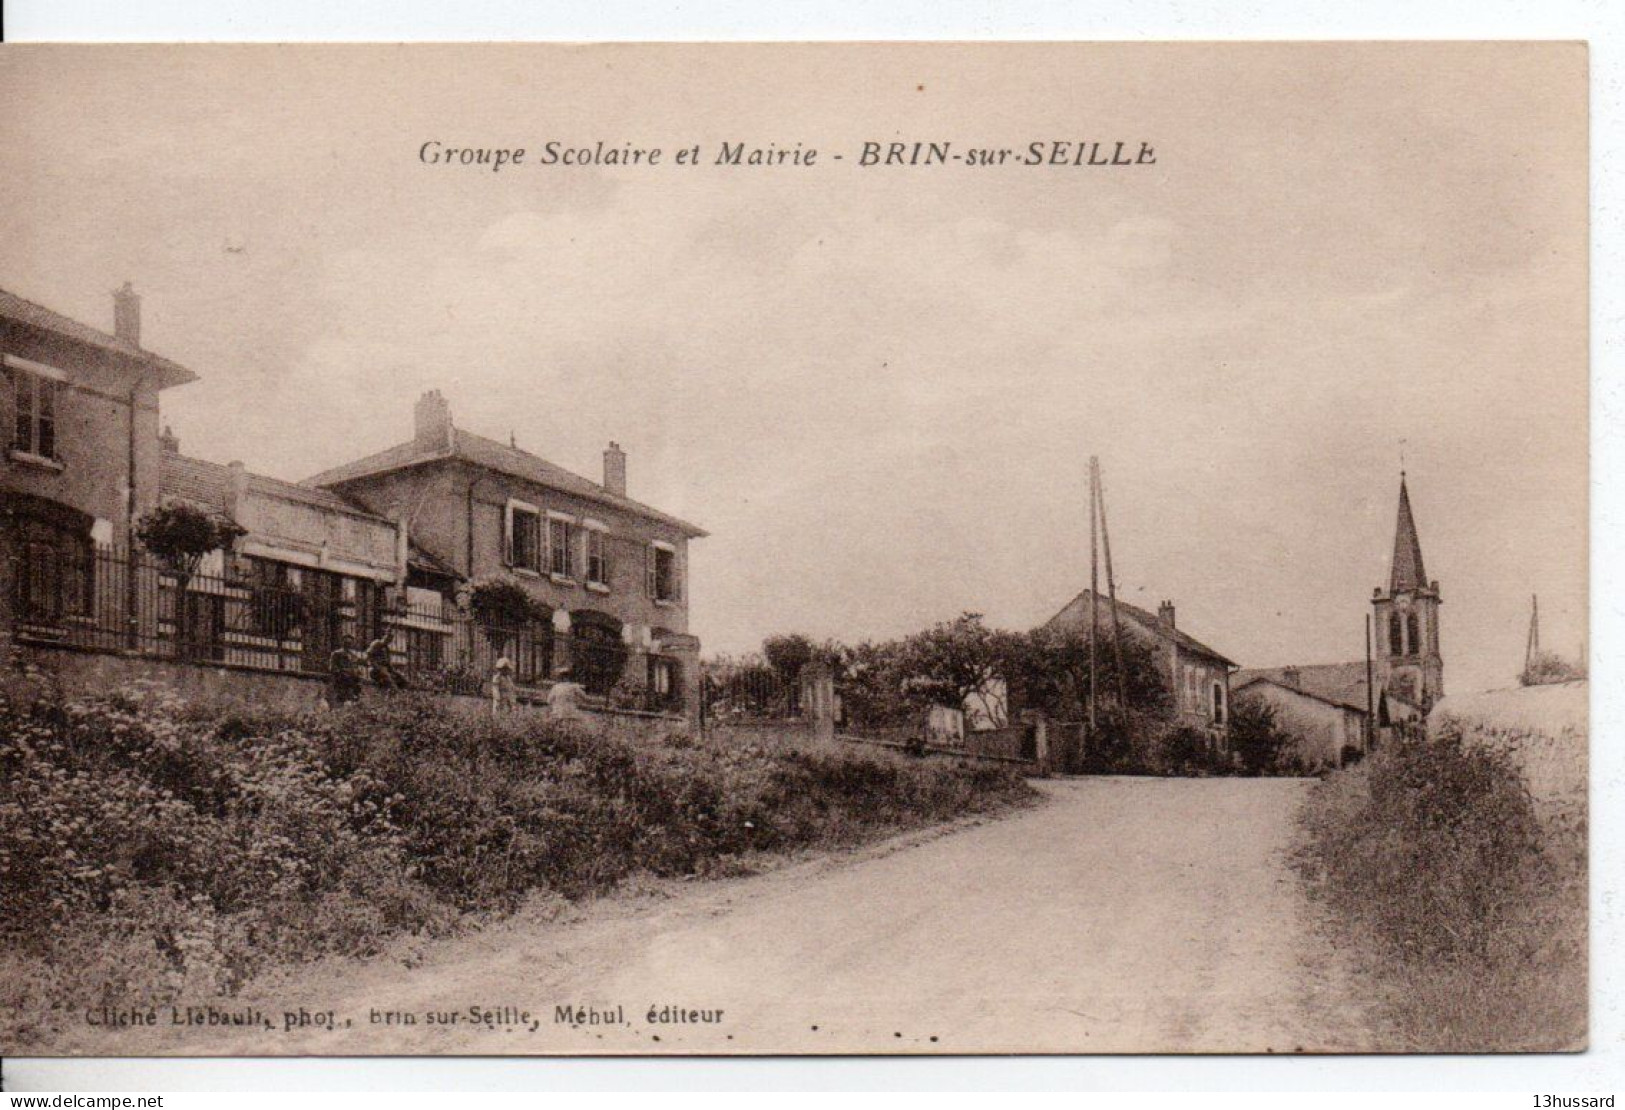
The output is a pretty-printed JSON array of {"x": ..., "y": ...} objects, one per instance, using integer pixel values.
[
  {"x": 431, "y": 422},
  {"x": 1165, "y": 613},
  {"x": 169, "y": 441},
  {"x": 615, "y": 469},
  {"x": 236, "y": 487},
  {"x": 1293, "y": 678},
  {"x": 127, "y": 315}
]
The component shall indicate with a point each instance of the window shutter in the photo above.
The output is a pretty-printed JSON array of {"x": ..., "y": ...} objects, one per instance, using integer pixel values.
[
  {"x": 649, "y": 564},
  {"x": 507, "y": 535}
]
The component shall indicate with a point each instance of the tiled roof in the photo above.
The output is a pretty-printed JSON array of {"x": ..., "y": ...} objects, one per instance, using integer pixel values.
[
  {"x": 1339, "y": 683},
  {"x": 26, "y": 312},
  {"x": 488, "y": 453},
  {"x": 1141, "y": 617},
  {"x": 207, "y": 483}
]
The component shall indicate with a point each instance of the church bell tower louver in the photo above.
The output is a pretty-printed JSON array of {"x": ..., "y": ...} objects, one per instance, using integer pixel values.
[{"x": 1406, "y": 619}]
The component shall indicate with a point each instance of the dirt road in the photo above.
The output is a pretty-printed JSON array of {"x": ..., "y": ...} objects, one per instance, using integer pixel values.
[{"x": 1123, "y": 915}]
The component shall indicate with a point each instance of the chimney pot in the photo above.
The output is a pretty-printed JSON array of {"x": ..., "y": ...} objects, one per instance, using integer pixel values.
[
  {"x": 127, "y": 315},
  {"x": 1165, "y": 613},
  {"x": 615, "y": 469},
  {"x": 431, "y": 422}
]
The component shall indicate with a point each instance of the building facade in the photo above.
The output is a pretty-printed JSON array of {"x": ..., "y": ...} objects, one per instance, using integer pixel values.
[
  {"x": 1197, "y": 677},
  {"x": 1324, "y": 707},
  {"x": 79, "y": 411},
  {"x": 601, "y": 568}
]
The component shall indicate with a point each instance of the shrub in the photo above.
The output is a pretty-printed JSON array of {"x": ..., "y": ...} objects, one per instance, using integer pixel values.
[
  {"x": 1468, "y": 909},
  {"x": 183, "y": 850},
  {"x": 501, "y": 602},
  {"x": 1261, "y": 745}
]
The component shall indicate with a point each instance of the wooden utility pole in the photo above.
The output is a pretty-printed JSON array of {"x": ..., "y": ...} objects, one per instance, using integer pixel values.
[
  {"x": 1532, "y": 648},
  {"x": 1370, "y": 692},
  {"x": 1111, "y": 583},
  {"x": 1094, "y": 589}
]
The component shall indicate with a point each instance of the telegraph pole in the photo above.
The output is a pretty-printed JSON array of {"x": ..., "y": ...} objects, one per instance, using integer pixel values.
[
  {"x": 1111, "y": 582},
  {"x": 1094, "y": 589}
]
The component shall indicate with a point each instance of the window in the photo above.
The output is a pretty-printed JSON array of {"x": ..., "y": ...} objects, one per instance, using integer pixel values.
[
  {"x": 561, "y": 546},
  {"x": 1413, "y": 630},
  {"x": 1218, "y": 703},
  {"x": 597, "y": 561},
  {"x": 34, "y": 401},
  {"x": 57, "y": 578},
  {"x": 1396, "y": 636},
  {"x": 276, "y": 607},
  {"x": 663, "y": 583},
  {"x": 524, "y": 536},
  {"x": 664, "y": 689}
]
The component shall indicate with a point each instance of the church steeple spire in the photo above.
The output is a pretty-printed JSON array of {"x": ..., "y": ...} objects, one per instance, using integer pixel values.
[
  {"x": 1408, "y": 573},
  {"x": 1406, "y": 618}
]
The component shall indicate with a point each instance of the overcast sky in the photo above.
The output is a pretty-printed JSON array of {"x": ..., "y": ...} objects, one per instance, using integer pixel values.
[{"x": 878, "y": 388}]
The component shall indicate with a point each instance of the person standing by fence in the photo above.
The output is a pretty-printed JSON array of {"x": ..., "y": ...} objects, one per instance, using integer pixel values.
[
  {"x": 343, "y": 674},
  {"x": 381, "y": 667},
  {"x": 502, "y": 695}
]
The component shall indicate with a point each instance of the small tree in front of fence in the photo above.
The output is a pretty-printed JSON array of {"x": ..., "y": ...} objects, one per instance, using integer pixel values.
[{"x": 179, "y": 535}]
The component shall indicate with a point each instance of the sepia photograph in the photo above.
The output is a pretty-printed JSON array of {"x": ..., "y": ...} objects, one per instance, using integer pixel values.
[{"x": 836, "y": 549}]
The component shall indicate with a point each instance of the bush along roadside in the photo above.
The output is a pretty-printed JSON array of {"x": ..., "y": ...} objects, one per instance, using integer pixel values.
[
  {"x": 152, "y": 850},
  {"x": 1461, "y": 901}
]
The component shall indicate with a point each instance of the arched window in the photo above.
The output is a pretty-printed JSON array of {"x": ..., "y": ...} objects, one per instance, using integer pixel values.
[
  {"x": 1414, "y": 632},
  {"x": 56, "y": 573},
  {"x": 1396, "y": 636}
]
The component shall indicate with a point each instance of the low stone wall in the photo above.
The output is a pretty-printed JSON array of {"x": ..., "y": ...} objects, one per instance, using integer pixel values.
[
  {"x": 90, "y": 671},
  {"x": 786, "y": 731}
]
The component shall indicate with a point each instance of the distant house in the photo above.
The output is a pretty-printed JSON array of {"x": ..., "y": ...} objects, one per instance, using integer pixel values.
[
  {"x": 607, "y": 569},
  {"x": 80, "y": 416},
  {"x": 1323, "y": 706},
  {"x": 1198, "y": 677}
]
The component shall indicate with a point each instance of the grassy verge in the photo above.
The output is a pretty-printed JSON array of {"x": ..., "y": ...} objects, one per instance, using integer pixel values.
[
  {"x": 1462, "y": 900},
  {"x": 151, "y": 850}
]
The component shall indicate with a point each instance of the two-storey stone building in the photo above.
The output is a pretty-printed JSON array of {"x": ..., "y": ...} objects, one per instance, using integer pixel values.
[
  {"x": 1197, "y": 677},
  {"x": 606, "y": 569},
  {"x": 79, "y": 412}
]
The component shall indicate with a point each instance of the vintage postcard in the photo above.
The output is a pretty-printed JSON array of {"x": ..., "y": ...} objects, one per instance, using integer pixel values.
[{"x": 793, "y": 549}]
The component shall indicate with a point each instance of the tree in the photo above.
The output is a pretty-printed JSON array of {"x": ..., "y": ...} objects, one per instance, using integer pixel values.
[
  {"x": 1548, "y": 668},
  {"x": 1258, "y": 739},
  {"x": 787, "y": 655},
  {"x": 180, "y": 535},
  {"x": 1049, "y": 670},
  {"x": 954, "y": 661}
]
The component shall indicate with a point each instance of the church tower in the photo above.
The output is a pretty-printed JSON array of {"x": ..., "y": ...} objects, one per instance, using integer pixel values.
[{"x": 1408, "y": 663}]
